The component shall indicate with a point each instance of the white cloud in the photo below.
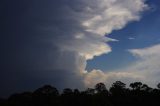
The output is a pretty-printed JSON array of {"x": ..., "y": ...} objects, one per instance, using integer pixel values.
[
  {"x": 61, "y": 35},
  {"x": 131, "y": 38},
  {"x": 146, "y": 69},
  {"x": 96, "y": 76},
  {"x": 113, "y": 15},
  {"x": 96, "y": 19},
  {"x": 146, "y": 52},
  {"x": 148, "y": 64},
  {"x": 92, "y": 19},
  {"x": 76, "y": 31}
]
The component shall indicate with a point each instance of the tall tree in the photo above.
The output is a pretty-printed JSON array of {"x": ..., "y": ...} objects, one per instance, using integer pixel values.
[
  {"x": 118, "y": 88},
  {"x": 100, "y": 87},
  {"x": 136, "y": 85}
]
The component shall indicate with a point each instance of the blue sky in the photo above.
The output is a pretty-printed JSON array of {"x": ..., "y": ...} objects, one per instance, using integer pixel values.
[{"x": 143, "y": 33}]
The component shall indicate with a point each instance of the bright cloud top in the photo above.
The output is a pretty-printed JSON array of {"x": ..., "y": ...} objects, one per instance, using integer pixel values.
[
  {"x": 95, "y": 19},
  {"x": 111, "y": 15}
]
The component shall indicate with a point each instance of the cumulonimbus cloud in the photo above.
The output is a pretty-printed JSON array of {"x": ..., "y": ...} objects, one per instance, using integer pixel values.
[
  {"x": 81, "y": 28},
  {"x": 53, "y": 39}
]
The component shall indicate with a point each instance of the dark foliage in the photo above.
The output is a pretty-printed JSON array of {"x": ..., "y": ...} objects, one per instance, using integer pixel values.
[{"x": 118, "y": 95}]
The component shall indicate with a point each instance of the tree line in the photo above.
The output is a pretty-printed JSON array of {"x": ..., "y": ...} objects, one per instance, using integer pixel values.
[{"x": 138, "y": 94}]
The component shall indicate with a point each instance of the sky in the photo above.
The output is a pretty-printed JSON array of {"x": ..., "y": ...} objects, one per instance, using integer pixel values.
[{"x": 78, "y": 43}]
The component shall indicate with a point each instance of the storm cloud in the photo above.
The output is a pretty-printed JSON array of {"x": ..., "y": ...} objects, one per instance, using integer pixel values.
[{"x": 50, "y": 41}]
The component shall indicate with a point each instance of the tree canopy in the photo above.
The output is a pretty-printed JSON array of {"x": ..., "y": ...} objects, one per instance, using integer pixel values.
[{"x": 138, "y": 94}]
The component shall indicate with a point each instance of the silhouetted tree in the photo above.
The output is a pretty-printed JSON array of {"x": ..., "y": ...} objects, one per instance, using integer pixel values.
[
  {"x": 158, "y": 86},
  {"x": 76, "y": 92},
  {"x": 118, "y": 88},
  {"x": 67, "y": 91},
  {"x": 146, "y": 88},
  {"x": 90, "y": 91},
  {"x": 139, "y": 95},
  {"x": 100, "y": 87},
  {"x": 46, "y": 95},
  {"x": 136, "y": 85},
  {"x": 119, "y": 84},
  {"x": 20, "y": 99},
  {"x": 47, "y": 90}
]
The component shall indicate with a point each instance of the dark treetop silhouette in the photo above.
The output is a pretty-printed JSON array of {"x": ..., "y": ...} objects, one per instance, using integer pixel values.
[{"x": 118, "y": 95}]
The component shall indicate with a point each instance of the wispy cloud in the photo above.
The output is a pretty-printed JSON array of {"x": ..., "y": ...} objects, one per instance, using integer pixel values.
[{"x": 131, "y": 38}]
